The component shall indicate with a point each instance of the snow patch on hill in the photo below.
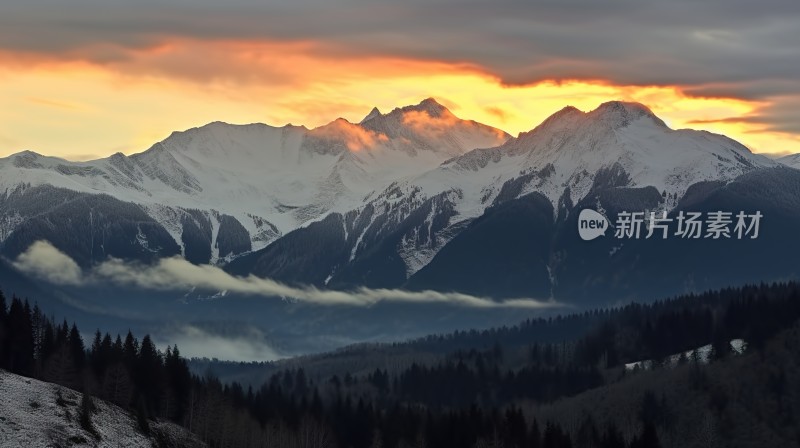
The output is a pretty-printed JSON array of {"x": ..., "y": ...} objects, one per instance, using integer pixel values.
[{"x": 703, "y": 356}]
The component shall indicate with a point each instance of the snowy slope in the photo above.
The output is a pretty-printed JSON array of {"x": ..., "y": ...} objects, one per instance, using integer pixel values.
[
  {"x": 571, "y": 147},
  {"x": 32, "y": 416},
  {"x": 271, "y": 180},
  {"x": 407, "y": 181},
  {"x": 568, "y": 157},
  {"x": 570, "y": 153},
  {"x": 792, "y": 160},
  {"x": 703, "y": 356}
]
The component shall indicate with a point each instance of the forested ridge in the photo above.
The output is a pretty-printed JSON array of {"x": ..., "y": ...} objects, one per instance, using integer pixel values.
[{"x": 532, "y": 385}]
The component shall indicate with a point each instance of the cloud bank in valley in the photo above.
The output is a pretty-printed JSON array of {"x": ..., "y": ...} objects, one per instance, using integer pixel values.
[
  {"x": 197, "y": 342},
  {"x": 44, "y": 261}
]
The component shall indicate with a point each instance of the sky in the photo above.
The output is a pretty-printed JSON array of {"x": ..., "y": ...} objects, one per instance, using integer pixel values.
[{"x": 106, "y": 76}]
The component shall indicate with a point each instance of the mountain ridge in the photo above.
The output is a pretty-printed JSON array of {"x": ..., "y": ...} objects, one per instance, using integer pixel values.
[
  {"x": 264, "y": 176},
  {"x": 372, "y": 203}
]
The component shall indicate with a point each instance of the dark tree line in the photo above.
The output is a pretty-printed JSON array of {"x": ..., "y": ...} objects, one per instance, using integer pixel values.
[
  {"x": 460, "y": 384},
  {"x": 127, "y": 372},
  {"x": 471, "y": 398},
  {"x": 653, "y": 331}
]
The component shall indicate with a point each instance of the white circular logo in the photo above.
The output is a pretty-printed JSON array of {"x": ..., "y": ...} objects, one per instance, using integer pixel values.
[{"x": 591, "y": 224}]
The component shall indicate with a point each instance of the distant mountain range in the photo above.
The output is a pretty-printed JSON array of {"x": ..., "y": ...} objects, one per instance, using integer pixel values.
[
  {"x": 792, "y": 160},
  {"x": 418, "y": 199}
]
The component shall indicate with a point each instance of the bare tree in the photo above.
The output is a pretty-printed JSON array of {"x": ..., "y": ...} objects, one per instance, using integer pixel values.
[
  {"x": 313, "y": 434},
  {"x": 117, "y": 386},
  {"x": 493, "y": 442}
]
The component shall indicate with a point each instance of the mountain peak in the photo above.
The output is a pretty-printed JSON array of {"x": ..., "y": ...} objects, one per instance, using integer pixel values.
[
  {"x": 630, "y": 106},
  {"x": 562, "y": 114},
  {"x": 560, "y": 119},
  {"x": 622, "y": 113},
  {"x": 429, "y": 105},
  {"x": 374, "y": 113},
  {"x": 26, "y": 159},
  {"x": 28, "y": 153}
]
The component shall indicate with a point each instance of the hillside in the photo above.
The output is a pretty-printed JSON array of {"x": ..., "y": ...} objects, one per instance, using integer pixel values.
[
  {"x": 505, "y": 387},
  {"x": 36, "y": 414}
]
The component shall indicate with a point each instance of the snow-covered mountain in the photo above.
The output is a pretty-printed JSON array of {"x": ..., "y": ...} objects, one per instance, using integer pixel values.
[
  {"x": 414, "y": 198},
  {"x": 792, "y": 160},
  {"x": 38, "y": 414},
  {"x": 570, "y": 155},
  {"x": 571, "y": 148},
  {"x": 572, "y": 151},
  {"x": 222, "y": 190}
]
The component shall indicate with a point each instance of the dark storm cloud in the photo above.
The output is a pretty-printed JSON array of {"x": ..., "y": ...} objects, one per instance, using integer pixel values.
[
  {"x": 737, "y": 48},
  {"x": 749, "y": 90}
]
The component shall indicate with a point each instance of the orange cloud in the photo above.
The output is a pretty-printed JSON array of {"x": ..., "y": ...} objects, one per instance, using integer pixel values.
[
  {"x": 51, "y": 103},
  {"x": 501, "y": 114},
  {"x": 423, "y": 123},
  {"x": 354, "y": 137},
  {"x": 434, "y": 127},
  {"x": 135, "y": 97}
]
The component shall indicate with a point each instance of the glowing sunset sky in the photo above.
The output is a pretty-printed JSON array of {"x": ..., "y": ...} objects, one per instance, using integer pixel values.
[{"x": 107, "y": 76}]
